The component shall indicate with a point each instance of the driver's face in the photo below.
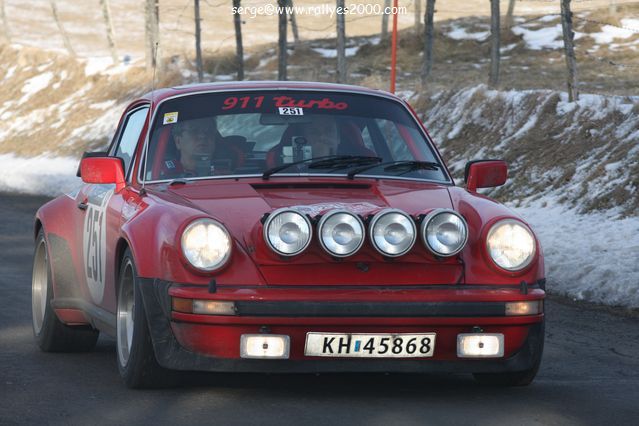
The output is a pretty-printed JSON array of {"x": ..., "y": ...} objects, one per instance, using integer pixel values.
[{"x": 195, "y": 137}]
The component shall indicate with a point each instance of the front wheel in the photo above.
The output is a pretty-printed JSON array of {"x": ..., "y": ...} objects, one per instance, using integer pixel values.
[
  {"x": 136, "y": 360},
  {"x": 51, "y": 334}
]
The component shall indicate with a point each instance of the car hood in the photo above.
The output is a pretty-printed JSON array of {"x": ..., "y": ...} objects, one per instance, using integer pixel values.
[{"x": 240, "y": 205}]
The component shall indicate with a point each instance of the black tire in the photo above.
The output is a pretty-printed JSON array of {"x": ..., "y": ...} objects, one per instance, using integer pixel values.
[
  {"x": 51, "y": 335},
  {"x": 134, "y": 349},
  {"x": 517, "y": 378}
]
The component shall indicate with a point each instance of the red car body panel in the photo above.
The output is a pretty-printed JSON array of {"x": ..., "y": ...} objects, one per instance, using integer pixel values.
[{"x": 151, "y": 221}]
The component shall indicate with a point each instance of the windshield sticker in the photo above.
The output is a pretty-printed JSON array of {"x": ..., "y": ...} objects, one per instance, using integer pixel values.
[
  {"x": 291, "y": 111},
  {"x": 256, "y": 102},
  {"x": 170, "y": 118},
  {"x": 243, "y": 102},
  {"x": 287, "y": 101}
]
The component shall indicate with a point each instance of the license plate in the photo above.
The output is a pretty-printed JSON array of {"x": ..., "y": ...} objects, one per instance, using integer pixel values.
[{"x": 370, "y": 345}]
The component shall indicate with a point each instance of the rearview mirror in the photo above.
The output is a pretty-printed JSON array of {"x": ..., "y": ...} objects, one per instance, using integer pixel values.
[
  {"x": 103, "y": 170},
  {"x": 485, "y": 174}
]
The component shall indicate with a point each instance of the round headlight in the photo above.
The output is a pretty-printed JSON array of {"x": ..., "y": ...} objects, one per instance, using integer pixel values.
[
  {"x": 511, "y": 244},
  {"x": 392, "y": 232},
  {"x": 287, "y": 232},
  {"x": 341, "y": 233},
  {"x": 444, "y": 232},
  {"x": 206, "y": 244}
]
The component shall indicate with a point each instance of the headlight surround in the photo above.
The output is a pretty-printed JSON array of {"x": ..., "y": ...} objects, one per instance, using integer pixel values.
[
  {"x": 206, "y": 244},
  {"x": 511, "y": 245},
  {"x": 444, "y": 232},
  {"x": 341, "y": 233},
  {"x": 392, "y": 232},
  {"x": 287, "y": 232}
]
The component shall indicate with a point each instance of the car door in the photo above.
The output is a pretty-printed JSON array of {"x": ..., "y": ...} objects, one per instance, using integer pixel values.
[{"x": 102, "y": 212}]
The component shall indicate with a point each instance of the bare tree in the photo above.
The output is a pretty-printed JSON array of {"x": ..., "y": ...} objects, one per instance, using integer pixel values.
[
  {"x": 296, "y": 33},
  {"x": 418, "y": 16},
  {"x": 65, "y": 36},
  {"x": 5, "y": 24},
  {"x": 385, "y": 20},
  {"x": 341, "y": 43},
  {"x": 569, "y": 49},
  {"x": 612, "y": 7},
  {"x": 198, "y": 41},
  {"x": 494, "y": 36},
  {"x": 429, "y": 35},
  {"x": 106, "y": 12},
  {"x": 152, "y": 34},
  {"x": 509, "y": 14},
  {"x": 281, "y": 70},
  {"x": 239, "y": 48}
]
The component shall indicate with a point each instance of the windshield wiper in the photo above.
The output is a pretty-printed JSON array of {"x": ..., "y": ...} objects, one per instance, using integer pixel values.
[
  {"x": 326, "y": 162},
  {"x": 397, "y": 166},
  {"x": 344, "y": 161}
]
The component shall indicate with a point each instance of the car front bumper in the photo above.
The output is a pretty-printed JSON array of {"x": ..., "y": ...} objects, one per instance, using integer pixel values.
[{"x": 184, "y": 341}]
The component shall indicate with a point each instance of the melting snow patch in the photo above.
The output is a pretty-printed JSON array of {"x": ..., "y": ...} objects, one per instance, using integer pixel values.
[
  {"x": 35, "y": 84},
  {"x": 97, "y": 65},
  {"x": 543, "y": 38},
  {"x": 332, "y": 53},
  {"x": 609, "y": 33},
  {"x": 459, "y": 33},
  {"x": 102, "y": 105}
]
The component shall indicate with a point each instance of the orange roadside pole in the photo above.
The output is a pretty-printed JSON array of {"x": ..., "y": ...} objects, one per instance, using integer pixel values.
[{"x": 394, "y": 49}]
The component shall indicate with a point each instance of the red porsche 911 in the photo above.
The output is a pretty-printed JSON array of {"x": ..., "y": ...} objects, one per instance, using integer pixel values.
[{"x": 286, "y": 227}]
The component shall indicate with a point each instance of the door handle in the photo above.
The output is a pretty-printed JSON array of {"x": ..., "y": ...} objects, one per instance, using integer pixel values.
[{"x": 82, "y": 205}]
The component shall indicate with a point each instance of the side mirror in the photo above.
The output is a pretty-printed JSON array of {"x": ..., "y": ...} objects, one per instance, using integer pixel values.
[
  {"x": 90, "y": 154},
  {"x": 103, "y": 170},
  {"x": 485, "y": 174}
]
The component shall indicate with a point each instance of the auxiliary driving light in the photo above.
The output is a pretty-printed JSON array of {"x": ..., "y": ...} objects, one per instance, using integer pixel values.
[
  {"x": 274, "y": 346},
  {"x": 444, "y": 232},
  {"x": 392, "y": 232},
  {"x": 471, "y": 345},
  {"x": 287, "y": 232},
  {"x": 341, "y": 233}
]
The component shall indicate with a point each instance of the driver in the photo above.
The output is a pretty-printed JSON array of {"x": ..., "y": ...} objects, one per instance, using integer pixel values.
[{"x": 198, "y": 143}]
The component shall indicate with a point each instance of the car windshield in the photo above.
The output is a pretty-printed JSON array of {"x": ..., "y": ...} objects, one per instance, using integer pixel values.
[{"x": 273, "y": 133}]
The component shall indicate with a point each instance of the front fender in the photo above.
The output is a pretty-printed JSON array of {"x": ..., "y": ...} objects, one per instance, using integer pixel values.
[
  {"x": 153, "y": 236},
  {"x": 480, "y": 213}
]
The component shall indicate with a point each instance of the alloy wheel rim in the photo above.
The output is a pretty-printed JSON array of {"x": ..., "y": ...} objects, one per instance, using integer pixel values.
[
  {"x": 125, "y": 313},
  {"x": 39, "y": 287}
]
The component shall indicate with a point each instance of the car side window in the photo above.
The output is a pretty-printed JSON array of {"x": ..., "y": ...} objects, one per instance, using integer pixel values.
[{"x": 129, "y": 137}]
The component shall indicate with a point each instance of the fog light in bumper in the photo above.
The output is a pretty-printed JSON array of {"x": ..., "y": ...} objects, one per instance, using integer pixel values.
[
  {"x": 273, "y": 346},
  {"x": 482, "y": 345},
  {"x": 532, "y": 307}
]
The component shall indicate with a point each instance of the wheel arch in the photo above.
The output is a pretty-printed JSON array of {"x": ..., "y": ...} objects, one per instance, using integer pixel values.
[
  {"x": 37, "y": 226},
  {"x": 120, "y": 248}
]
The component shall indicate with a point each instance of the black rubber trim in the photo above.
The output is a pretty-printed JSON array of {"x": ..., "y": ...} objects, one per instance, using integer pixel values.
[
  {"x": 370, "y": 309},
  {"x": 318, "y": 287},
  {"x": 171, "y": 355}
]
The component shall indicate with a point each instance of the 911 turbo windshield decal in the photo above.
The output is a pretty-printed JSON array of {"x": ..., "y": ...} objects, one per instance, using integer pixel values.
[
  {"x": 257, "y": 102},
  {"x": 94, "y": 239}
]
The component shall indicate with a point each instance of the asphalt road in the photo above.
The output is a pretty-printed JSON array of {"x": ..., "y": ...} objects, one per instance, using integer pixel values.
[{"x": 589, "y": 374}]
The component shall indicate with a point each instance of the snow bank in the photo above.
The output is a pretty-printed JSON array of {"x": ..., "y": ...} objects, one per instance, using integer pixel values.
[
  {"x": 590, "y": 257},
  {"x": 42, "y": 175},
  {"x": 573, "y": 170}
]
